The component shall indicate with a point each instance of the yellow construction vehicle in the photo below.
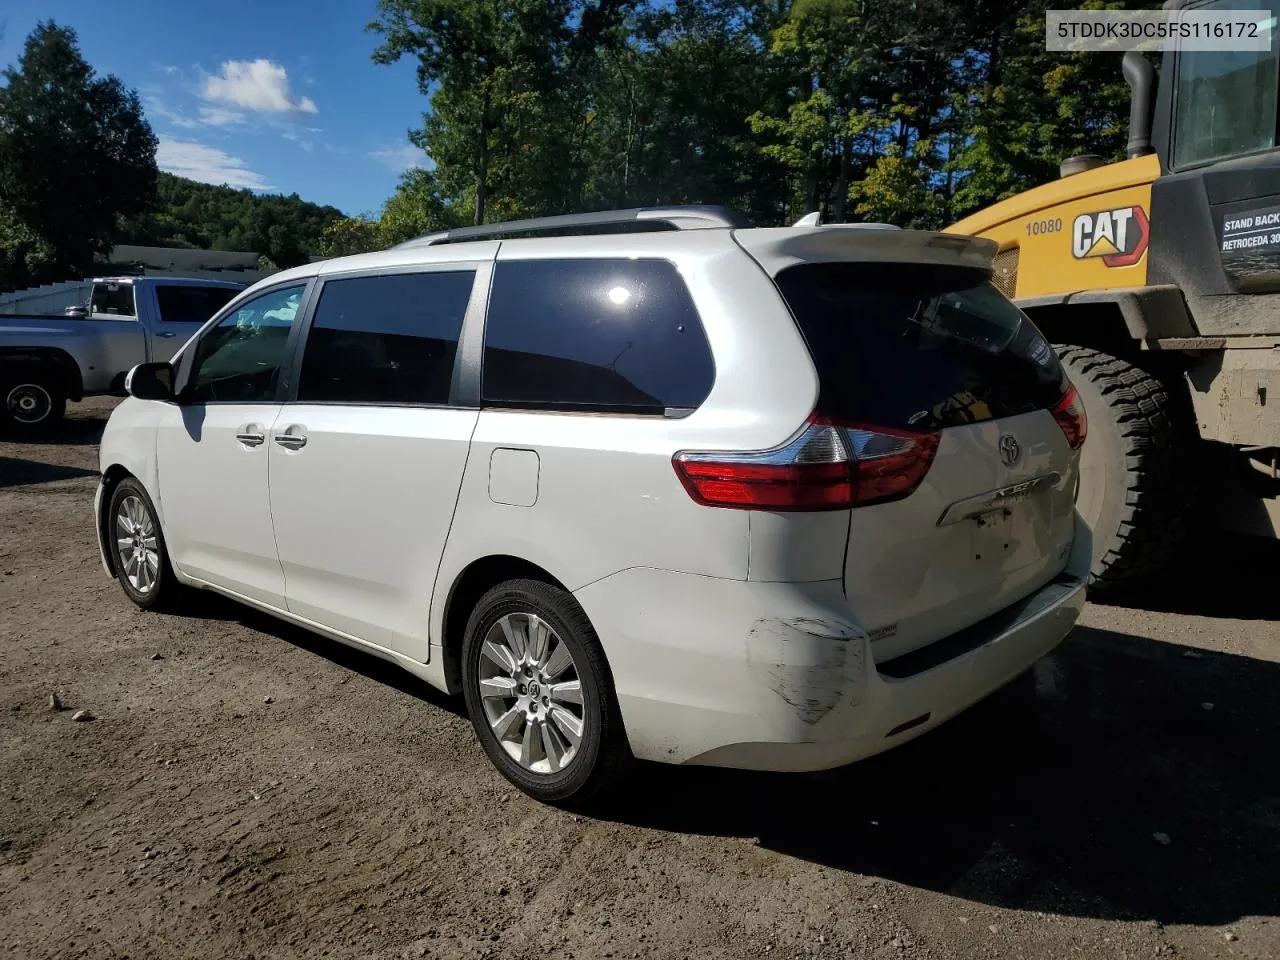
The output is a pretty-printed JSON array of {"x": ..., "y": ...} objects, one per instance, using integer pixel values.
[{"x": 1158, "y": 278}]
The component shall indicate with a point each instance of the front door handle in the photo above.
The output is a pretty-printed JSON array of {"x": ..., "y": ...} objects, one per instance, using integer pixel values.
[
  {"x": 251, "y": 435},
  {"x": 167, "y": 334}
]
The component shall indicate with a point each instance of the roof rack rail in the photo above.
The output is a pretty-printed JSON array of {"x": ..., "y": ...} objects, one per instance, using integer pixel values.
[{"x": 635, "y": 220}]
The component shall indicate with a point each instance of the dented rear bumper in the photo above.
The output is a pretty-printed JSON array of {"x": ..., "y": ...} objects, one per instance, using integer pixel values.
[{"x": 778, "y": 676}]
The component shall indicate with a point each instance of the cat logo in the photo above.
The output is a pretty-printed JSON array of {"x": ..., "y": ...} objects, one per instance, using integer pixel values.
[{"x": 1118, "y": 237}]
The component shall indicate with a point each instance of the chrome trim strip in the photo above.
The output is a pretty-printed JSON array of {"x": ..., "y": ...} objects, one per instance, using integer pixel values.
[{"x": 976, "y": 506}]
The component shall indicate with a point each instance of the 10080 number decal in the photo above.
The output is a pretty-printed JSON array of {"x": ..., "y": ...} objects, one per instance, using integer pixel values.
[{"x": 1037, "y": 227}]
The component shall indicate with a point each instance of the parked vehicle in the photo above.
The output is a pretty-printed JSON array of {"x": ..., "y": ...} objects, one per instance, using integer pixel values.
[
  {"x": 1158, "y": 277},
  {"x": 46, "y": 361},
  {"x": 762, "y": 498}
]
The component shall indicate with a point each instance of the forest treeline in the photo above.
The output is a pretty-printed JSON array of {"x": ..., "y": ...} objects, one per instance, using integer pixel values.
[{"x": 913, "y": 112}]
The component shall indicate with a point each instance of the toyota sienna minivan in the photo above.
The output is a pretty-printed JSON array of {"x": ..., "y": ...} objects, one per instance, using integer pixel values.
[{"x": 638, "y": 484}]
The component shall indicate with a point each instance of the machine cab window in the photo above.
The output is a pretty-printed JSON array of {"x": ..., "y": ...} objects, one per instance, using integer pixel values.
[{"x": 1225, "y": 102}]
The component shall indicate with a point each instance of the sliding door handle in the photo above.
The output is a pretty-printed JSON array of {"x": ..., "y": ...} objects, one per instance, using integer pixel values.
[{"x": 290, "y": 441}]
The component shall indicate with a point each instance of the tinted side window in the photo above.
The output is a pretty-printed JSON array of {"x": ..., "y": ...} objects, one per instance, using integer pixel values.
[
  {"x": 179, "y": 304},
  {"x": 238, "y": 361},
  {"x": 612, "y": 335},
  {"x": 385, "y": 339}
]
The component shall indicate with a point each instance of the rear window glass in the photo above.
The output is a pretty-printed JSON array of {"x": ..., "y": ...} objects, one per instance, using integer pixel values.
[
  {"x": 603, "y": 335},
  {"x": 914, "y": 347},
  {"x": 182, "y": 304},
  {"x": 113, "y": 298}
]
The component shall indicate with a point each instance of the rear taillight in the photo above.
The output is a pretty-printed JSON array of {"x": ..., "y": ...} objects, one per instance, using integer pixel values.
[
  {"x": 827, "y": 466},
  {"x": 1069, "y": 412}
]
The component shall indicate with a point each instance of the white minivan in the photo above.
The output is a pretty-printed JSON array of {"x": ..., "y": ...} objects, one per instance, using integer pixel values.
[{"x": 638, "y": 484}]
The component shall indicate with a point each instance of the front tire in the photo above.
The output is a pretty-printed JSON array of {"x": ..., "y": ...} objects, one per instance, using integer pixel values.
[
  {"x": 30, "y": 403},
  {"x": 540, "y": 694},
  {"x": 1134, "y": 493},
  {"x": 133, "y": 535}
]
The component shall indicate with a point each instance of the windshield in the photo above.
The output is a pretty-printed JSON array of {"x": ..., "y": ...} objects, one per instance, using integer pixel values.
[{"x": 1225, "y": 101}]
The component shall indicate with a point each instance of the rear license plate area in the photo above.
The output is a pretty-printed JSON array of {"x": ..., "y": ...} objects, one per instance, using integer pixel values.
[{"x": 991, "y": 535}]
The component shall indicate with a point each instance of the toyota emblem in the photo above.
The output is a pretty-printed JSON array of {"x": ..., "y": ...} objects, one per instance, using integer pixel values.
[{"x": 1009, "y": 449}]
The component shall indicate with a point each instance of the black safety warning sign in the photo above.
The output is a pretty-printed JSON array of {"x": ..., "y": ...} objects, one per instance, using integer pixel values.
[
  {"x": 1249, "y": 245},
  {"x": 1251, "y": 230}
]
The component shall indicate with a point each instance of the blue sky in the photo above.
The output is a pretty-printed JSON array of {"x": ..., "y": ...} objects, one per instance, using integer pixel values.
[{"x": 274, "y": 95}]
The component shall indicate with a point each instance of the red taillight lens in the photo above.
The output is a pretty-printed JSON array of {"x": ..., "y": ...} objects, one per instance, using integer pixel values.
[
  {"x": 815, "y": 486},
  {"x": 1069, "y": 412},
  {"x": 889, "y": 465},
  {"x": 828, "y": 466}
]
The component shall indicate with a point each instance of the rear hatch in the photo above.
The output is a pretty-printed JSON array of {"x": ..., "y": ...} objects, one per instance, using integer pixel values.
[{"x": 961, "y": 426}]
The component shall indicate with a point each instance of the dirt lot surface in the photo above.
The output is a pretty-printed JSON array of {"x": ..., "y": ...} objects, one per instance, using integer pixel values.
[{"x": 250, "y": 790}]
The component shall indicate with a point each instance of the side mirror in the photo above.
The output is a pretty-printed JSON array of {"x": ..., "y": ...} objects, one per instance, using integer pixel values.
[
  {"x": 79, "y": 311},
  {"x": 150, "y": 381}
]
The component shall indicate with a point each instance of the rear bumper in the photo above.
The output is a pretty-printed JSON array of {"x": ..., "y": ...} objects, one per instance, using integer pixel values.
[{"x": 779, "y": 677}]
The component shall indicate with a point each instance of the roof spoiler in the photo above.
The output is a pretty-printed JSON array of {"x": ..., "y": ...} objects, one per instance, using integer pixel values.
[{"x": 783, "y": 247}]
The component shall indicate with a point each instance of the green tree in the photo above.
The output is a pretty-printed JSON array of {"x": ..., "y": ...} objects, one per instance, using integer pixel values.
[
  {"x": 348, "y": 236},
  {"x": 504, "y": 80},
  {"x": 75, "y": 154},
  {"x": 25, "y": 258},
  {"x": 1024, "y": 110},
  {"x": 910, "y": 111},
  {"x": 871, "y": 85},
  {"x": 188, "y": 214},
  {"x": 667, "y": 120},
  {"x": 418, "y": 208}
]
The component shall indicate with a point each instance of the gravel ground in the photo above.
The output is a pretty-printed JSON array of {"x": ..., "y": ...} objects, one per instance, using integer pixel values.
[{"x": 250, "y": 790}]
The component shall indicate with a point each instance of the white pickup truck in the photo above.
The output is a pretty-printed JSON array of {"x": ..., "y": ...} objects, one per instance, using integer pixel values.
[{"x": 47, "y": 360}]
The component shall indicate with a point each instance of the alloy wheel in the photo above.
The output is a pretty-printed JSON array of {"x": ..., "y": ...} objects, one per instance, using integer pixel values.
[
  {"x": 531, "y": 692},
  {"x": 137, "y": 545}
]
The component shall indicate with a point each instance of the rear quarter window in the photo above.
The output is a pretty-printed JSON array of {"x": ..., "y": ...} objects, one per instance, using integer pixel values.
[
  {"x": 606, "y": 335},
  {"x": 918, "y": 347}
]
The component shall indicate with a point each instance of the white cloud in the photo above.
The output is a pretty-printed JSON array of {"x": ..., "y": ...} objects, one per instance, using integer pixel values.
[
  {"x": 403, "y": 158},
  {"x": 199, "y": 161},
  {"x": 158, "y": 108},
  {"x": 258, "y": 85},
  {"x": 220, "y": 116},
  {"x": 293, "y": 136}
]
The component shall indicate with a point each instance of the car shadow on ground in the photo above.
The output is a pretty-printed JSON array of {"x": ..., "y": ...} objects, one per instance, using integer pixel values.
[
  {"x": 206, "y": 605},
  {"x": 80, "y": 430},
  {"x": 19, "y": 473},
  {"x": 1125, "y": 779},
  {"x": 1216, "y": 575}
]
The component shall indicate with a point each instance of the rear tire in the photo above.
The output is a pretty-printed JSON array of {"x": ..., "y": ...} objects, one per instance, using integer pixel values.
[
  {"x": 30, "y": 403},
  {"x": 1134, "y": 493},
  {"x": 540, "y": 694}
]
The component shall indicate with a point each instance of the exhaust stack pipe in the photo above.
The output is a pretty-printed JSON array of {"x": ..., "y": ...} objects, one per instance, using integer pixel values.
[{"x": 1142, "y": 84}]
